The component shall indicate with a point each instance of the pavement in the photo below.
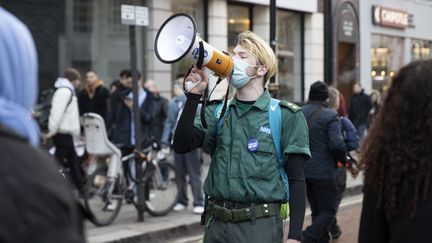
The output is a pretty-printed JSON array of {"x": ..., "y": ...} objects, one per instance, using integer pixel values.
[{"x": 176, "y": 227}]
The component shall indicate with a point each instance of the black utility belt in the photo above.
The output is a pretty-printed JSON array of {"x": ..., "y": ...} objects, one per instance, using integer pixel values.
[{"x": 241, "y": 211}]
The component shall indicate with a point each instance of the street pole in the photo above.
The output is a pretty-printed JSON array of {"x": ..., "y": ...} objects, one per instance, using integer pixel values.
[
  {"x": 328, "y": 42},
  {"x": 274, "y": 88},
  {"x": 137, "y": 122}
]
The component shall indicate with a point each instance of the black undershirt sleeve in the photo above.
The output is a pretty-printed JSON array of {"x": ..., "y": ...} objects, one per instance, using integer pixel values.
[
  {"x": 297, "y": 189},
  {"x": 187, "y": 137}
]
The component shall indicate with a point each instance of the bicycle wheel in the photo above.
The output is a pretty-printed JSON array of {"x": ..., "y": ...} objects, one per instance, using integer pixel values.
[
  {"x": 102, "y": 198},
  {"x": 161, "y": 189}
]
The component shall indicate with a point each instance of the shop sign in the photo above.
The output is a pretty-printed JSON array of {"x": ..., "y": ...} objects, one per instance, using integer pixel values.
[
  {"x": 389, "y": 17},
  {"x": 348, "y": 28}
]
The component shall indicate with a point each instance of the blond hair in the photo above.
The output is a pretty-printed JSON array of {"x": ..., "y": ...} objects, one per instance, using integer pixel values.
[
  {"x": 333, "y": 97},
  {"x": 261, "y": 50}
]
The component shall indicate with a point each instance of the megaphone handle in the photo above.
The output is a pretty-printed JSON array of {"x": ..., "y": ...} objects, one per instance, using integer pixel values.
[{"x": 200, "y": 55}]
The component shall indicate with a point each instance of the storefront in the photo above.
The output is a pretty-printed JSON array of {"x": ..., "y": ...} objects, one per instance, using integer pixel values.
[
  {"x": 393, "y": 33},
  {"x": 346, "y": 46}
]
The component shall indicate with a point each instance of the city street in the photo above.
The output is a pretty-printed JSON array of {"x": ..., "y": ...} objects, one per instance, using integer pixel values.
[
  {"x": 348, "y": 220},
  {"x": 184, "y": 227}
]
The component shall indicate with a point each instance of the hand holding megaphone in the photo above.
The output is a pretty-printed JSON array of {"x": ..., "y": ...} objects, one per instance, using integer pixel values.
[{"x": 196, "y": 82}]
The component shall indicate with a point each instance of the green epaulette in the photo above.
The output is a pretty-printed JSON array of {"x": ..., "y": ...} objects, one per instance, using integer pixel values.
[{"x": 293, "y": 107}]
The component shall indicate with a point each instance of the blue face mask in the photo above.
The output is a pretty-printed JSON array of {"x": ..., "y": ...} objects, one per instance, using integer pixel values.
[{"x": 239, "y": 77}]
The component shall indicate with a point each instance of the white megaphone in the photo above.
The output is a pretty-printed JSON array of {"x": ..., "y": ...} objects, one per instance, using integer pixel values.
[{"x": 178, "y": 39}]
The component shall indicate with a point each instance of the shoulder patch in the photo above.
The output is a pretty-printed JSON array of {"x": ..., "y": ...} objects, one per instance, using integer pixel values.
[{"x": 293, "y": 107}]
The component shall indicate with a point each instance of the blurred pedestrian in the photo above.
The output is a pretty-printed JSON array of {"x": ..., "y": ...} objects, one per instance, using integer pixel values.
[
  {"x": 351, "y": 140},
  {"x": 188, "y": 164},
  {"x": 342, "y": 106},
  {"x": 376, "y": 105},
  {"x": 359, "y": 109},
  {"x": 37, "y": 204},
  {"x": 397, "y": 202},
  {"x": 94, "y": 96},
  {"x": 160, "y": 109},
  {"x": 247, "y": 184},
  {"x": 124, "y": 132},
  {"x": 64, "y": 124},
  {"x": 123, "y": 87},
  {"x": 327, "y": 147},
  {"x": 113, "y": 86}
]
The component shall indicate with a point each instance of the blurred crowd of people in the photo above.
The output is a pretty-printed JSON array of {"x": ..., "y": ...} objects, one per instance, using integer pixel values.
[{"x": 158, "y": 118}]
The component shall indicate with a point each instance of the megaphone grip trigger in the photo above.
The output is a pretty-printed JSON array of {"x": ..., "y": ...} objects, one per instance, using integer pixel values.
[{"x": 200, "y": 55}]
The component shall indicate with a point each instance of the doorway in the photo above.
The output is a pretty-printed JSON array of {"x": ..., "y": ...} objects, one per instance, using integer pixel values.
[{"x": 346, "y": 69}]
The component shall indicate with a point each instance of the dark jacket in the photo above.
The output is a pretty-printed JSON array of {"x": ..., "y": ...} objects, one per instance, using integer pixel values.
[
  {"x": 122, "y": 121},
  {"x": 115, "y": 99},
  {"x": 161, "y": 110},
  {"x": 375, "y": 227},
  {"x": 37, "y": 203},
  {"x": 98, "y": 104},
  {"x": 326, "y": 143},
  {"x": 359, "y": 109},
  {"x": 349, "y": 133}
]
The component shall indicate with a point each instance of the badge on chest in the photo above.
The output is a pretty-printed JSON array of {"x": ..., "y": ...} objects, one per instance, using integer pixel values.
[{"x": 252, "y": 145}]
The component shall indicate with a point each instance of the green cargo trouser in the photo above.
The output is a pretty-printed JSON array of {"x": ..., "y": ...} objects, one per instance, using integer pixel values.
[{"x": 262, "y": 230}]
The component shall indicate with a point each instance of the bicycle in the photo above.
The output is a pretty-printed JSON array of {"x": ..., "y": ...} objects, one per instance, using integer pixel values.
[{"x": 103, "y": 195}]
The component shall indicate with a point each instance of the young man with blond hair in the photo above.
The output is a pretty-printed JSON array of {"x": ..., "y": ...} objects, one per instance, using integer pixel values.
[{"x": 245, "y": 184}]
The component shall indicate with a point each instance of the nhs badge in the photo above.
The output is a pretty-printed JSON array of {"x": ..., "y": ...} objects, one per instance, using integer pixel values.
[
  {"x": 265, "y": 129},
  {"x": 252, "y": 145}
]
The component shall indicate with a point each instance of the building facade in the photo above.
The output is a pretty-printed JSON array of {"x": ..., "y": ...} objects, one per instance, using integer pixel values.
[
  {"x": 88, "y": 35},
  {"x": 372, "y": 39},
  {"x": 393, "y": 33}
]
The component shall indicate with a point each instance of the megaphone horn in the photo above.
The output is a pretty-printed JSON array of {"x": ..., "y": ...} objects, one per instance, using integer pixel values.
[{"x": 178, "y": 39}]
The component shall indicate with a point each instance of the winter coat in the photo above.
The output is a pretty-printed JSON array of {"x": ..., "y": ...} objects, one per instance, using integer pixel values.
[
  {"x": 122, "y": 121},
  {"x": 64, "y": 114},
  {"x": 37, "y": 204},
  {"x": 161, "y": 110},
  {"x": 326, "y": 142},
  {"x": 349, "y": 133},
  {"x": 359, "y": 109},
  {"x": 97, "y": 104},
  {"x": 114, "y": 101}
]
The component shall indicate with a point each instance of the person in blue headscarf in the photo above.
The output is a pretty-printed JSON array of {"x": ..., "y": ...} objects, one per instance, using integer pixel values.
[
  {"x": 37, "y": 203},
  {"x": 18, "y": 79}
]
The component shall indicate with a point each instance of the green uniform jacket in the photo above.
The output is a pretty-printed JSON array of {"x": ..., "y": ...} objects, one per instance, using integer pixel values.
[{"x": 238, "y": 174}]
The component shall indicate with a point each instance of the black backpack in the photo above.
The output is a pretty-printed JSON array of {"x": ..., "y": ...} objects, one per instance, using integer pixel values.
[{"x": 43, "y": 107}]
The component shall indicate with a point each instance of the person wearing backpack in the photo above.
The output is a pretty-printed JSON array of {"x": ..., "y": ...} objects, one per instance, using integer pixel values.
[
  {"x": 327, "y": 147},
  {"x": 249, "y": 173},
  {"x": 63, "y": 124},
  {"x": 351, "y": 140}
]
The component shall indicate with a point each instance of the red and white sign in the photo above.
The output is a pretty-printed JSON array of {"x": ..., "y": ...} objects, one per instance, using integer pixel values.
[{"x": 389, "y": 17}]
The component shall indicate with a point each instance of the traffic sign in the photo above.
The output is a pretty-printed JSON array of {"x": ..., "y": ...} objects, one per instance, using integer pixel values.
[
  {"x": 141, "y": 16},
  {"x": 134, "y": 15}
]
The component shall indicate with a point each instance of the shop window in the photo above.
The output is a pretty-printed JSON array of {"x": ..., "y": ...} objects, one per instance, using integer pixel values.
[
  {"x": 289, "y": 55},
  {"x": 83, "y": 16},
  {"x": 421, "y": 50},
  {"x": 238, "y": 22},
  {"x": 387, "y": 58}
]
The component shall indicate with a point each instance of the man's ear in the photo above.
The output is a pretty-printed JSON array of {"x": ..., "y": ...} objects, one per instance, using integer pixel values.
[{"x": 262, "y": 70}]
